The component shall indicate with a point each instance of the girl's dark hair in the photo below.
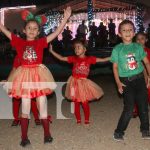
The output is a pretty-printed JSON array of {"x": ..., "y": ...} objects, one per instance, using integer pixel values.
[
  {"x": 141, "y": 33},
  {"x": 125, "y": 22},
  {"x": 39, "y": 26},
  {"x": 82, "y": 42},
  {"x": 32, "y": 20}
]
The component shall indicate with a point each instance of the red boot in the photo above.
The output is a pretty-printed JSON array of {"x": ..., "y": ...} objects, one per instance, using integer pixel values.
[
  {"x": 24, "y": 129},
  {"x": 35, "y": 112},
  {"x": 47, "y": 135},
  {"x": 16, "y": 106}
]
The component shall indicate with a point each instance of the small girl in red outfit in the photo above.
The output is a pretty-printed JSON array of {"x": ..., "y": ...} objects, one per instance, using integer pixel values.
[
  {"x": 32, "y": 79},
  {"x": 80, "y": 89},
  {"x": 141, "y": 38},
  {"x": 17, "y": 102}
]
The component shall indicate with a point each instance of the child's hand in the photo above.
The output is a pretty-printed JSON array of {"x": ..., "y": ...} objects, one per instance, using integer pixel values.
[
  {"x": 67, "y": 12},
  {"x": 50, "y": 48},
  {"x": 120, "y": 87},
  {"x": 148, "y": 82}
]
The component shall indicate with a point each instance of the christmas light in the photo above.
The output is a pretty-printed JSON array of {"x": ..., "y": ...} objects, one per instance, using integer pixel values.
[
  {"x": 90, "y": 10},
  {"x": 53, "y": 20},
  {"x": 139, "y": 18}
]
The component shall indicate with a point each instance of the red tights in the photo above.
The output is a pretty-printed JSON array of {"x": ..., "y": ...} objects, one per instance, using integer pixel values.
[
  {"x": 86, "y": 110},
  {"x": 16, "y": 106}
]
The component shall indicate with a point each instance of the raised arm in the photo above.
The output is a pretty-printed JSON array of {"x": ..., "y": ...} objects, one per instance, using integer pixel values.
[
  {"x": 103, "y": 59},
  {"x": 67, "y": 14},
  {"x": 58, "y": 56},
  {"x": 5, "y": 31}
]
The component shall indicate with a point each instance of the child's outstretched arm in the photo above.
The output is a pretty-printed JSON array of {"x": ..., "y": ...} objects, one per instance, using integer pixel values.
[
  {"x": 120, "y": 85},
  {"x": 58, "y": 56},
  {"x": 147, "y": 65},
  {"x": 5, "y": 31},
  {"x": 103, "y": 59},
  {"x": 67, "y": 14}
]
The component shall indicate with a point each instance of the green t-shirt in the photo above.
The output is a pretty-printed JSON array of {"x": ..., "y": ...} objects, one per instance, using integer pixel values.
[{"x": 129, "y": 59}]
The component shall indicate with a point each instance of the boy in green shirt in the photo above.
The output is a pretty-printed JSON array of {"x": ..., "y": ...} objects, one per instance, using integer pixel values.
[{"x": 127, "y": 60}]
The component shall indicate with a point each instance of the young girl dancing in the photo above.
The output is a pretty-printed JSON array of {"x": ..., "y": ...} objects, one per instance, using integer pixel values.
[
  {"x": 141, "y": 38},
  {"x": 32, "y": 79},
  {"x": 17, "y": 102},
  {"x": 80, "y": 89}
]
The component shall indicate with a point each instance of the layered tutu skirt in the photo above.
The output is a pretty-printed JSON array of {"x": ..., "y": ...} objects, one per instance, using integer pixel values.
[
  {"x": 30, "y": 82},
  {"x": 82, "y": 90}
]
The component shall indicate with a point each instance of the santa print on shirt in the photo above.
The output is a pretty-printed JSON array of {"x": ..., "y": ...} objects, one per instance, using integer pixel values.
[
  {"x": 131, "y": 61},
  {"x": 81, "y": 67},
  {"x": 30, "y": 54}
]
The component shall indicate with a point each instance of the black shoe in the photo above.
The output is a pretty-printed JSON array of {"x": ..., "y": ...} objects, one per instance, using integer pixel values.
[
  {"x": 24, "y": 143},
  {"x": 146, "y": 135},
  {"x": 48, "y": 139},
  {"x": 118, "y": 136},
  {"x": 15, "y": 122},
  {"x": 37, "y": 122}
]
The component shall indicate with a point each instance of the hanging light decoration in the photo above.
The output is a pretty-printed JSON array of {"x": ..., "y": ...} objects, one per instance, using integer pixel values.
[
  {"x": 53, "y": 20},
  {"x": 139, "y": 18},
  {"x": 90, "y": 10}
]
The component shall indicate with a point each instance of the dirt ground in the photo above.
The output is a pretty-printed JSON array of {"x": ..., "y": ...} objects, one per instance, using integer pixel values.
[{"x": 70, "y": 136}]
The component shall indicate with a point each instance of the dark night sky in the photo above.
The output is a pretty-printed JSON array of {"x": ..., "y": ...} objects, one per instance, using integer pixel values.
[{"x": 6, "y": 3}]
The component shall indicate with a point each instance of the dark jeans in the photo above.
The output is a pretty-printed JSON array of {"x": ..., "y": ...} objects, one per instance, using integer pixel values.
[{"x": 134, "y": 92}]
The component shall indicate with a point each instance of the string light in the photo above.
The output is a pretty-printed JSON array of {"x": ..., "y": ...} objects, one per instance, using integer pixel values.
[
  {"x": 90, "y": 10},
  {"x": 53, "y": 20},
  {"x": 139, "y": 18}
]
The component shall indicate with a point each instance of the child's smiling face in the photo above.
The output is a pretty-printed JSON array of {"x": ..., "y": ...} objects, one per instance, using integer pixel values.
[
  {"x": 127, "y": 33},
  {"x": 31, "y": 30},
  {"x": 141, "y": 39},
  {"x": 79, "y": 49}
]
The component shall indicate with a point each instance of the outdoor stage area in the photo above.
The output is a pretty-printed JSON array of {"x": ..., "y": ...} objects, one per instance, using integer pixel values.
[{"x": 70, "y": 136}]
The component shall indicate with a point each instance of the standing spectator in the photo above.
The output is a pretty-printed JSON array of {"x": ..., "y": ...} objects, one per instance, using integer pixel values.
[
  {"x": 82, "y": 30},
  {"x": 93, "y": 35},
  {"x": 102, "y": 35},
  {"x": 112, "y": 33},
  {"x": 67, "y": 37}
]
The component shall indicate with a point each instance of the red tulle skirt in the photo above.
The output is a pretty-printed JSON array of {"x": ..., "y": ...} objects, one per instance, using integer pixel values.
[
  {"x": 30, "y": 82},
  {"x": 82, "y": 90}
]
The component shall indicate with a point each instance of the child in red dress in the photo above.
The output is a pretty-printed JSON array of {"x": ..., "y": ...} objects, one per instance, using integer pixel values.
[
  {"x": 32, "y": 79},
  {"x": 141, "y": 38},
  {"x": 80, "y": 89},
  {"x": 17, "y": 102}
]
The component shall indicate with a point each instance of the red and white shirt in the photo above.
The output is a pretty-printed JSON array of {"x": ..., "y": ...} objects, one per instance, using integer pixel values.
[
  {"x": 29, "y": 52},
  {"x": 81, "y": 66},
  {"x": 16, "y": 62}
]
